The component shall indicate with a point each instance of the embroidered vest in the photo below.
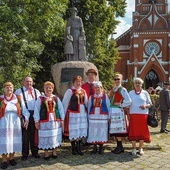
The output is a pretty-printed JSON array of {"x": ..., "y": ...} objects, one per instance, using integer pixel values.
[
  {"x": 49, "y": 107},
  {"x": 99, "y": 102},
  {"x": 116, "y": 97},
  {"x": 3, "y": 106},
  {"x": 77, "y": 98}
]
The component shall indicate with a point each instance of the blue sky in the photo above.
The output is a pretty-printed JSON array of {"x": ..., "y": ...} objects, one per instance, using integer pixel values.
[{"x": 126, "y": 22}]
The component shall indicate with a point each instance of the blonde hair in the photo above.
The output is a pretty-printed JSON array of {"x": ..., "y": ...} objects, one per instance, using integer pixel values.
[
  {"x": 118, "y": 75},
  {"x": 8, "y": 84},
  {"x": 49, "y": 83}
]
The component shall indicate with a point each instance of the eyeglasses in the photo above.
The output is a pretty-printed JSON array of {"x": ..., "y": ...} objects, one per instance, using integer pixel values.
[
  {"x": 116, "y": 79},
  {"x": 137, "y": 83}
]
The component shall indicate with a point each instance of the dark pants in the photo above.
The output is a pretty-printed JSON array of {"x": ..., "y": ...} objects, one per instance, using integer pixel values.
[
  {"x": 28, "y": 137},
  {"x": 164, "y": 119}
]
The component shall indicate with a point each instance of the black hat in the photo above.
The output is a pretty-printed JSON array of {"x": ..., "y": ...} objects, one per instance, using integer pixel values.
[{"x": 166, "y": 83}]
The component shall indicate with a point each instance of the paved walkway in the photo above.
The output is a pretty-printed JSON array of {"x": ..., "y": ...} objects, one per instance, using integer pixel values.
[{"x": 157, "y": 156}]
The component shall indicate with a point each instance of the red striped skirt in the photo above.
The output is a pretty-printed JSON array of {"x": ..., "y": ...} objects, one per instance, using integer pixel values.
[{"x": 138, "y": 128}]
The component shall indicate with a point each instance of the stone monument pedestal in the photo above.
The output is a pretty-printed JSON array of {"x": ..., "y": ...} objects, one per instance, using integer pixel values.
[{"x": 64, "y": 72}]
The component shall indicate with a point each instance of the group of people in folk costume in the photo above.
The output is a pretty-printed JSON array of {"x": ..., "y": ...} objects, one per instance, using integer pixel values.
[
  {"x": 92, "y": 113},
  {"x": 86, "y": 112}
]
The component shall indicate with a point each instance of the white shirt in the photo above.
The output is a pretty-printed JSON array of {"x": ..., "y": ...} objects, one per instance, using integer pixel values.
[
  {"x": 29, "y": 99},
  {"x": 137, "y": 100}
]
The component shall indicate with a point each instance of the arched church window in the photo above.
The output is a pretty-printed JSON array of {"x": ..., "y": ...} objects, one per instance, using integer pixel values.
[
  {"x": 151, "y": 75},
  {"x": 151, "y": 79}
]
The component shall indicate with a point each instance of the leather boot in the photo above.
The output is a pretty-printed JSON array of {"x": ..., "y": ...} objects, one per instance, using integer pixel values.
[
  {"x": 78, "y": 148},
  {"x": 73, "y": 148},
  {"x": 119, "y": 149},
  {"x": 101, "y": 149},
  {"x": 94, "y": 149}
]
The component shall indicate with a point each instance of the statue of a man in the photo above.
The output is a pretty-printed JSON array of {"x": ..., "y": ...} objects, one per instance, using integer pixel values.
[{"x": 75, "y": 29}]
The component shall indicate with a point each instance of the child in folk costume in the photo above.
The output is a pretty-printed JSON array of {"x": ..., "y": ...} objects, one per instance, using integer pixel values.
[
  {"x": 98, "y": 116},
  {"x": 119, "y": 99},
  {"x": 75, "y": 125},
  {"x": 49, "y": 119}
]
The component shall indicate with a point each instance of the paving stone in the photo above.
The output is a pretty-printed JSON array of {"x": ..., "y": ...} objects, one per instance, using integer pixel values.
[{"x": 156, "y": 157}]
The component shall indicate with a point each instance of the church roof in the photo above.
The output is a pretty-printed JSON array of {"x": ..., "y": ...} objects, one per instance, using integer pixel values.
[{"x": 124, "y": 39}]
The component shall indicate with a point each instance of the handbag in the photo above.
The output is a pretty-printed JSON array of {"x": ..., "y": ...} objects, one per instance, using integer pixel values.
[{"x": 151, "y": 120}]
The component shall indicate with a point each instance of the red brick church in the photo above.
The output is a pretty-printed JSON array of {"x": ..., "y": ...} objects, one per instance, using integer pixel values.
[{"x": 144, "y": 49}]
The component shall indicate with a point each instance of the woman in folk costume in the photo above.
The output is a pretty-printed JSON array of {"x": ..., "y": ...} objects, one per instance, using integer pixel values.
[
  {"x": 98, "y": 117},
  {"x": 138, "y": 111},
  {"x": 10, "y": 124},
  {"x": 75, "y": 125},
  {"x": 49, "y": 119},
  {"x": 119, "y": 99}
]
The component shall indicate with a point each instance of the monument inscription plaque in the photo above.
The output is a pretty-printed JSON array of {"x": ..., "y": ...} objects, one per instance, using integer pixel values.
[{"x": 67, "y": 74}]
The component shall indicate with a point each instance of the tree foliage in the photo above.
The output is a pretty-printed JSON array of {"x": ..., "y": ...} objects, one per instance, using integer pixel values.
[
  {"x": 26, "y": 26},
  {"x": 100, "y": 22},
  {"x": 32, "y": 36}
]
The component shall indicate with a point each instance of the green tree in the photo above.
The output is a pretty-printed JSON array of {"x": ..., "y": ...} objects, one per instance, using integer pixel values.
[
  {"x": 32, "y": 36},
  {"x": 26, "y": 26},
  {"x": 99, "y": 21}
]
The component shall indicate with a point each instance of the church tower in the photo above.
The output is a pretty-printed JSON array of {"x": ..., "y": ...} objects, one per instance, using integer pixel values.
[{"x": 145, "y": 47}]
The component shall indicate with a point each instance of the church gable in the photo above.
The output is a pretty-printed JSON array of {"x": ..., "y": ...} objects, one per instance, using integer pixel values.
[{"x": 153, "y": 20}]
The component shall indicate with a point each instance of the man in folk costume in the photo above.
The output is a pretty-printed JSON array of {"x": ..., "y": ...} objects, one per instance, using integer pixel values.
[
  {"x": 89, "y": 88},
  {"x": 98, "y": 117},
  {"x": 89, "y": 85},
  {"x": 75, "y": 125},
  {"x": 119, "y": 99},
  {"x": 29, "y": 95}
]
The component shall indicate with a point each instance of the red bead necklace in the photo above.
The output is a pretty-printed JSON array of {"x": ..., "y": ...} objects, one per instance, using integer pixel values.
[
  {"x": 9, "y": 98},
  {"x": 138, "y": 92}
]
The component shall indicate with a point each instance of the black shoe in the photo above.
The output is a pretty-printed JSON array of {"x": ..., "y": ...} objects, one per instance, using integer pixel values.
[
  {"x": 162, "y": 131},
  {"x": 78, "y": 148},
  {"x": 94, "y": 149},
  {"x": 4, "y": 165},
  {"x": 74, "y": 152},
  {"x": 12, "y": 162},
  {"x": 55, "y": 156},
  {"x": 36, "y": 155},
  {"x": 167, "y": 130},
  {"x": 118, "y": 150},
  {"x": 79, "y": 151},
  {"x": 24, "y": 158},
  {"x": 101, "y": 151},
  {"x": 46, "y": 158}
]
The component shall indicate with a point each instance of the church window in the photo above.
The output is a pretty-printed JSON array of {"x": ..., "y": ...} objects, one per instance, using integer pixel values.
[{"x": 152, "y": 47}]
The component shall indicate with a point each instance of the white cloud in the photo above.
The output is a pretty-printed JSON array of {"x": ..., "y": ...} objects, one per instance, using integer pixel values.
[
  {"x": 126, "y": 22},
  {"x": 121, "y": 28}
]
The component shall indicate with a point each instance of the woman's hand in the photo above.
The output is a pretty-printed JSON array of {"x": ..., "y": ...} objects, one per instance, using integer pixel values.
[
  {"x": 143, "y": 107},
  {"x": 26, "y": 123},
  {"x": 117, "y": 104},
  {"x": 61, "y": 123},
  {"x": 109, "y": 121},
  {"x": 37, "y": 125}
]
